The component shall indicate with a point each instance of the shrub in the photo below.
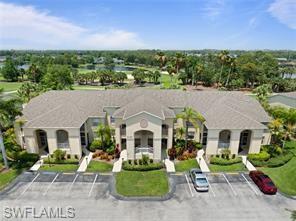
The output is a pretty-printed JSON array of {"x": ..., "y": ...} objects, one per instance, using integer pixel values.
[
  {"x": 145, "y": 159},
  {"x": 262, "y": 156},
  {"x": 135, "y": 167},
  {"x": 96, "y": 144},
  {"x": 68, "y": 156},
  {"x": 274, "y": 161},
  {"x": 224, "y": 162},
  {"x": 59, "y": 154},
  {"x": 151, "y": 161},
  {"x": 233, "y": 156},
  {"x": 129, "y": 161},
  {"x": 54, "y": 161},
  {"x": 140, "y": 161},
  {"x": 110, "y": 150},
  {"x": 180, "y": 143},
  {"x": 194, "y": 144},
  {"x": 225, "y": 153},
  {"x": 172, "y": 153},
  {"x": 273, "y": 150},
  {"x": 25, "y": 159}
]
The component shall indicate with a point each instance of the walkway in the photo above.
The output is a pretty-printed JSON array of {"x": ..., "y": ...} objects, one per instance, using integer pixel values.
[
  {"x": 84, "y": 163},
  {"x": 201, "y": 161},
  {"x": 170, "y": 166},
  {"x": 37, "y": 165},
  {"x": 248, "y": 164},
  {"x": 118, "y": 164}
]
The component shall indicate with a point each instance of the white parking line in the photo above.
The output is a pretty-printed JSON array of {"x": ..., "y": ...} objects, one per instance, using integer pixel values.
[
  {"x": 92, "y": 186},
  {"x": 231, "y": 187},
  {"x": 54, "y": 179},
  {"x": 211, "y": 188},
  {"x": 189, "y": 185},
  {"x": 30, "y": 184},
  {"x": 250, "y": 185},
  {"x": 73, "y": 183}
]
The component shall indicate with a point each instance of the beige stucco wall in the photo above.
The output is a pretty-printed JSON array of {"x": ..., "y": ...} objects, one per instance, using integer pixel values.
[
  {"x": 255, "y": 141},
  {"x": 74, "y": 140}
]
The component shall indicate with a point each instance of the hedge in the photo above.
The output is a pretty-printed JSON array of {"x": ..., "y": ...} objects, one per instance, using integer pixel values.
[
  {"x": 66, "y": 161},
  {"x": 262, "y": 156},
  {"x": 222, "y": 161},
  {"x": 275, "y": 161},
  {"x": 132, "y": 167}
]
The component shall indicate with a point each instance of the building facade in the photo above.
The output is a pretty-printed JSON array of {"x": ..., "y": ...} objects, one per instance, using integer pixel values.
[{"x": 144, "y": 121}]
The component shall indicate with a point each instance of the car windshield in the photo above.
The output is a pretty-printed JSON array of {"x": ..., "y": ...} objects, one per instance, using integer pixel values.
[
  {"x": 201, "y": 180},
  {"x": 270, "y": 184}
]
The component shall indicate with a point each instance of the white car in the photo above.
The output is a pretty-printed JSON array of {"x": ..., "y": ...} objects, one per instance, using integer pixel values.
[{"x": 199, "y": 180}]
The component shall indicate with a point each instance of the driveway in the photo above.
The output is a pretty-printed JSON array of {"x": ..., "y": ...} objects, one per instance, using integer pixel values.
[{"x": 230, "y": 198}]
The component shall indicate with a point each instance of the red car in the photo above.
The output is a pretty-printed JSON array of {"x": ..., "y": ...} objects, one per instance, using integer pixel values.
[{"x": 263, "y": 181}]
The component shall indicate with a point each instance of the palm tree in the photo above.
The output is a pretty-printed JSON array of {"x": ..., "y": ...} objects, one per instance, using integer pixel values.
[
  {"x": 161, "y": 59},
  {"x": 171, "y": 70},
  {"x": 8, "y": 111},
  {"x": 231, "y": 63},
  {"x": 180, "y": 132},
  {"x": 179, "y": 60},
  {"x": 223, "y": 57},
  {"x": 199, "y": 69},
  {"x": 276, "y": 128},
  {"x": 189, "y": 115}
]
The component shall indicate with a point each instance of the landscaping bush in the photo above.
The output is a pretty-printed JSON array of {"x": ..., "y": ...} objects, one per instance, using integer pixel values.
[
  {"x": 59, "y": 154},
  {"x": 135, "y": 167},
  {"x": 273, "y": 150},
  {"x": 145, "y": 159},
  {"x": 262, "y": 156},
  {"x": 192, "y": 144},
  {"x": 277, "y": 161},
  {"x": 225, "y": 153},
  {"x": 25, "y": 159},
  {"x": 224, "y": 162},
  {"x": 96, "y": 144},
  {"x": 172, "y": 153}
]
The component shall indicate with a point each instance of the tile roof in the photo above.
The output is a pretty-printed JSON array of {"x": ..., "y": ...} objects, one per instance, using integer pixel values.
[{"x": 222, "y": 110}]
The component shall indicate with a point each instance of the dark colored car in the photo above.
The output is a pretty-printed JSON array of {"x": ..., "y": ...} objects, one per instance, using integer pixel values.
[{"x": 263, "y": 181}]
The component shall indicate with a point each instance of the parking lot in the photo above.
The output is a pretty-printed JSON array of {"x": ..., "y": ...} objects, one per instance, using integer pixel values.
[
  {"x": 231, "y": 197},
  {"x": 221, "y": 185},
  {"x": 59, "y": 185}
]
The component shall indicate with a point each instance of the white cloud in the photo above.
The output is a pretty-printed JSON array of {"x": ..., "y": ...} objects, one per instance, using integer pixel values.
[
  {"x": 213, "y": 8},
  {"x": 284, "y": 11},
  {"x": 25, "y": 27}
]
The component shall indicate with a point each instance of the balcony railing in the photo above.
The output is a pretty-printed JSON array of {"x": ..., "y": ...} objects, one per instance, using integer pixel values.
[
  {"x": 223, "y": 145},
  {"x": 63, "y": 145},
  {"x": 144, "y": 149}
]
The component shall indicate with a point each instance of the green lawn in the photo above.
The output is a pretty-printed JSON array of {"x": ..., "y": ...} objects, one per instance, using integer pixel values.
[
  {"x": 229, "y": 168},
  {"x": 8, "y": 176},
  {"x": 97, "y": 166},
  {"x": 186, "y": 165},
  {"x": 88, "y": 87},
  {"x": 284, "y": 177},
  {"x": 59, "y": 167},
  {"x": 135, "y": 183},
  {"x": 291, "y": 145},
  {"x": 10, "y": 86}
]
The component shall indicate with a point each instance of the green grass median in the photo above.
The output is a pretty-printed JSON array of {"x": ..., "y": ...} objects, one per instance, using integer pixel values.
[{"x": 148, "y": 183}]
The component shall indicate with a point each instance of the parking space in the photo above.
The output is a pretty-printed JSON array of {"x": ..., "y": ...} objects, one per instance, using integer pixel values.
[
  {"x": 230, "y": 185},
  {"x": 59, "y": 186}
]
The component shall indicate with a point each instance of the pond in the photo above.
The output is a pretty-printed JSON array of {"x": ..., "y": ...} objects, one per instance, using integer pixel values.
[{"x": 116, "y": 68}]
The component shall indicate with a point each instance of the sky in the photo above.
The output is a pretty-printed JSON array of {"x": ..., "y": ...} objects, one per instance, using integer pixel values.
[{"x": 148, "y": 24}]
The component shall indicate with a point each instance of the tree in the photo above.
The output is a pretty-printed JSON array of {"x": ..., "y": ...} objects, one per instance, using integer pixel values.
[
  {"x": 223, "y": 58},
  {"x": 29, "y": 90},
  {"x": 180, "y": 132},
  {"x": 109, "y": 63},
  {"x": 190, "y": 116},
  {"x": 155, "y": 76},
  {"x": 9, "y": 70},
  {"x": 199, "y": 69},
  {"x": 9, "y": 109},
  {"x": 105, "y": 134},
  {"x": 231, "y": 62},
  {"x": 262, "y": 92},
  {"x": 161, "y": 59},
  {"x": 58, "y": 77},
  {"x": 34, "y": 73},
  {"x": 179, "y": 61},
  {"x": 171, "y": 70},
  {"x": 139, "y": 75},
  {"x": 119, "y": 77}
]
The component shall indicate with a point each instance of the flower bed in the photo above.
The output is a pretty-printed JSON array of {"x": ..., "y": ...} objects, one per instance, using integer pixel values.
[{"x": 102, "y": 155}]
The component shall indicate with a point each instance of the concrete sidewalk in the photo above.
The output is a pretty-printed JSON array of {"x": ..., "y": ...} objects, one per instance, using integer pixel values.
[
  {"x": 248, "y": 164},
  {"x": 84, "y": 163},
  {"x": 170, "y": 166},
  {"x": 118, "y": 164},
  {"x": 201, "y": 161}
]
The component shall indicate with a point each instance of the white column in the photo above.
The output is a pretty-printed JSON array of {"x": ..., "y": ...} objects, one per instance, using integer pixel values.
[
  {"x": 256, "y": 140},
  {"x": 157, "y": 148},
  {"x": 170, "y": 136},
  {"x": 234, "y": 141},
  {"x": 212, "y": 142},
  {"x": 130, "y": 147}
]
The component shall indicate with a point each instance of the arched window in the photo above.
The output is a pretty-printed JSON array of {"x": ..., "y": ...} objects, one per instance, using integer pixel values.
[
  {"x": 224, "y": 139},
  {"x": 62, "y": 139}
]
